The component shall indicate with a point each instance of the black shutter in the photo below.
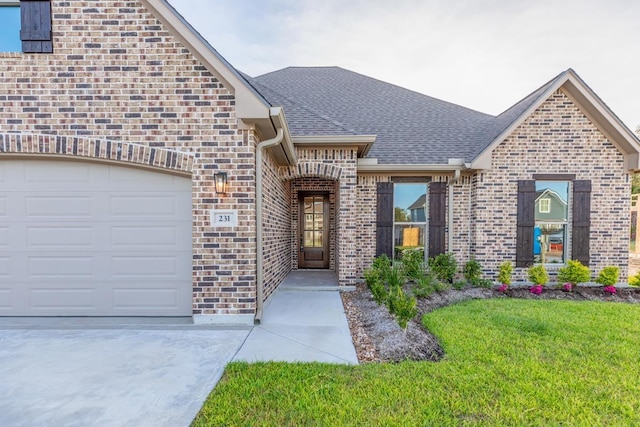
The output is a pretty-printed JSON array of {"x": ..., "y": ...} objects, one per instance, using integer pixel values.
[
  {"x": 437, "y": 218},
  {"x": 384, "y": 219},
  {"x": 581, "y": 221},
  {"x": 526, "y": 222},
  {"x": 36, "y": 26}
]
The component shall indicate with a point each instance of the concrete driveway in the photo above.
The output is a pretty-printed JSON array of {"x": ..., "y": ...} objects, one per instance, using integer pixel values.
[{"x": 118, "y": 376}]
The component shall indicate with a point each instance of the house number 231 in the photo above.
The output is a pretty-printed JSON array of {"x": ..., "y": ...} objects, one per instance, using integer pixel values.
[{"x": 224, "y": 218}]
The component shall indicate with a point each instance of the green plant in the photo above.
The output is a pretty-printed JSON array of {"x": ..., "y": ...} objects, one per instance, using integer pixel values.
[
  {"x": 394, "y": 277},
  {"x": 444, "y": 267},
  {"x": 413, "y": 263},
  {"x": 402, "y": 305},
  {"x": 424, "y": 286},
  {"x": 574, "y": 272},
  {"x": 608, "y": 276},
  {"x": 505, "y": 272},
  {"x": 485, "y": 283},
  {"x": 382, "y": 264},
  {"x": 370, "y": 276},
  {"x": 459, "y": 284},
  {"x": 379, "y": 291},
  {"x": 472, "y": 272},
  {"x": 441, "y": 286},
  {"x": 635, "y": 280},
  {"x": 538, "y": 274}
]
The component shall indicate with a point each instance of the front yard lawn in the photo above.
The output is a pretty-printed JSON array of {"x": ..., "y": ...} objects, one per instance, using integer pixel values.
[{"x": 508, "y": 362}]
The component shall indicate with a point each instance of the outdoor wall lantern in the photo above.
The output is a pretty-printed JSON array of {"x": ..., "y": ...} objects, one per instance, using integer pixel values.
[{"x": 220, "y": 180}]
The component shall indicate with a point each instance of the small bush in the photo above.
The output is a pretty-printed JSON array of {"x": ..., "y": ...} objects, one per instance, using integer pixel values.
[
  {"x": 381, "y": 262},
  {"x": 634, "y": 280},
  {"x": 444, "y": 267},
  {"x": 485, "y": 283},
  {"x": 459, "y": 284},
  {"x": 413, "y": 263},
  {"x": 574, "y": 272},
  {"x": 441, "y": 286},
  {"x": 538, "y": 274},
  {"x": 608, "y": 276},
  {"x": 403, "y": 306},
  {"x": 472, "y": 272},
  {"x": 424, "y": 287},
  {"x": 379, "y": 291},
  {"x": 505, "y": 272},
  {"x": 370, "y": 276},
  {"x": 394, "y": 277}
]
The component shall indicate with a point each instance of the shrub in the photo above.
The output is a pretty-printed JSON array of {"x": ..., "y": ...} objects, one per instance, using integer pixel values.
[
  {"x": 394, "y": 277},
  {"x": 379, "y": 291},
  {"x": 536, "y": 289},
  {"x": 424, "y": 287},
  {"x": 459, "y": 284},
  {"x": 567, "y": 287},
  {"x": 574, "y": 272},
  {"x": 503, "y": 288},
  {"x": 485, "y": 283},
  {"x": 402, "y": 305},
  {"x": 370, "y": 276},
  {"x": 382, "y": 263},
  {"x": 444, "y": 267},
  {"x": 635, "y": 280},
  {"x": 441, "y": 286},
  {"x": 610, "y": 289},
  {"x": 538, "y": 275},
  {"x": 505, "y": 272},
  {"x": 413, "y": 263},
  {"x": 472, "y": 272},
  {"x": 608, "y": 276}
]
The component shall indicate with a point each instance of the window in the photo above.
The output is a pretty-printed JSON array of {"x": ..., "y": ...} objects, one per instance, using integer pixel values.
[
  {"x": 25, "y": 26},
  {"x": 410, "y": 209},
  {"x": 551, "y": 219},
  {"x": 10, "y": 27},
  {"x": 544, "y": 205}
]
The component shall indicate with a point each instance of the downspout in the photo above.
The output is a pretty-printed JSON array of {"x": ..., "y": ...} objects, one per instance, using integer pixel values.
[
  {"x": 451, "y": 183},
  {"x": 259, "y": 256}
]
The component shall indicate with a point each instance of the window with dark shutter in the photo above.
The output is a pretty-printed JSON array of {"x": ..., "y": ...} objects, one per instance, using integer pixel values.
[
  {"x": 526, "y": 223},
  {"x": 581, "y": 220},
  {"x": 437, "y": 218},
  {"x": 35, "y": 34},
  {"x": 384, "y": 219}
]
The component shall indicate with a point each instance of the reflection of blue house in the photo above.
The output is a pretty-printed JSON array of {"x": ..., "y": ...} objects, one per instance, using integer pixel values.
[
  {"x": 537, "y": 248},
  {"x": 550, "y": 206},
  {"x": 417, "y": 209}
]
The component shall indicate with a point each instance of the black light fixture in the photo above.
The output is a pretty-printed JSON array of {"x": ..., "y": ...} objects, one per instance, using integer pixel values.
[{"x": 220, "y": 180}]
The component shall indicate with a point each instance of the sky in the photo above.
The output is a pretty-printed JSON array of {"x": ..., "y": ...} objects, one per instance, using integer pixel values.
[{"x": 485, "y": 55}]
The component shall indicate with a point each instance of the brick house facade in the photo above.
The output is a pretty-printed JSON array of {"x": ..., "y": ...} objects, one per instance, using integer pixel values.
[{"x": 132, "y": 85}]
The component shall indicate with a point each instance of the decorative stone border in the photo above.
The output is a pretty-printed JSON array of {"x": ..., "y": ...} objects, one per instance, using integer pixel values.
[
  {"x": 19, "y": 143},
  {"x": 311, "y": 169}
]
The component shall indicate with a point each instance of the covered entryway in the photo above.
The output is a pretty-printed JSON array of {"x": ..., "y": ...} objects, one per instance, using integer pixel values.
[{"x": 93, "y": 239}]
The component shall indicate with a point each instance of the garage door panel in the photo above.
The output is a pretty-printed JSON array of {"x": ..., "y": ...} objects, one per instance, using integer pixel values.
[
  {"x": 5, "y": 266},
  {"x": 4, "y": 237},
  {"x": 57, "y": 173},
  {"x": 61, "y": 267},
  {"x": 58, "y": 206},
  {"x": 6, "y": 300},
  {"x": 63, "y": 298},
  {"x": 145, "y": 298},
  {"x": 60, "y": 236}
]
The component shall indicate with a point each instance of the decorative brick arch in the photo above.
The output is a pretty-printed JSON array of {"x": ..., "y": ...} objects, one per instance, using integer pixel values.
[
  {"x": 96, "y": 149},
  {"x": 311, "y": 169}
]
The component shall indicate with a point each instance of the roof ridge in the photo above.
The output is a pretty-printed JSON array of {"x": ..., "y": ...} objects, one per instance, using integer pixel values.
[{"x": 305, "y": 107}]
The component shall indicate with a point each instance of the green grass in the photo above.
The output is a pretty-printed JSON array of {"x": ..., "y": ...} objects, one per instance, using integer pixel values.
[{"x": 508, "y": 362}]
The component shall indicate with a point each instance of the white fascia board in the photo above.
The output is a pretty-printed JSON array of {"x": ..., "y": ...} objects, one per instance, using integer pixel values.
[
  {"x": 280, "y": 121},
  {"x": 249, "y": 105}
]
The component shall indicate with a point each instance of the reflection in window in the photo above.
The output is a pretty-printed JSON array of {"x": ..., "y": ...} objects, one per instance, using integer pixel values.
[
  {"x": 313, "y": 221},
  {"x": 551, "y": 213},
  {"x": 410, "y": 217},
  {"x": 10, "y": 29}
]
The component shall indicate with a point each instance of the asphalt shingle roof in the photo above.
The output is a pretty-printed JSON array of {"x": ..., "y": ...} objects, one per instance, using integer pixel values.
[{"x": 411, "y": 128}]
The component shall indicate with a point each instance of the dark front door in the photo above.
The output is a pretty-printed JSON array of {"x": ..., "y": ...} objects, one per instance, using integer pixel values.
[{"x": 313, "y": 230}]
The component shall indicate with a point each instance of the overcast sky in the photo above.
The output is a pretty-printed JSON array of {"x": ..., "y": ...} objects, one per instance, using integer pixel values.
[{"x": 483, "y": 54}]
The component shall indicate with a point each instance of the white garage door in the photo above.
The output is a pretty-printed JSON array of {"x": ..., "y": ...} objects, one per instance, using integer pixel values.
[{"x": 91, "y": 239}]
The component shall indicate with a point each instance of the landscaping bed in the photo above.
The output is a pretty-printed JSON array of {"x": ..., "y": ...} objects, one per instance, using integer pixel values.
[{"x": 378, "y": 337}]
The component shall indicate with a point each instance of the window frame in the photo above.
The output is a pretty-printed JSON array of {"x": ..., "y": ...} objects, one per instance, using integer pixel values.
[
  {"x": 422, "y": 224},
  {"x": 547, "y": 204},
  {"x": 566, "y": 253},
  {"x": 12, "y": 3}
]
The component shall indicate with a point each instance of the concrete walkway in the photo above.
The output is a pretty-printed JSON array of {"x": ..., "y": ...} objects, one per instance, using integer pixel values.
[{"x": 303, "y": 321}]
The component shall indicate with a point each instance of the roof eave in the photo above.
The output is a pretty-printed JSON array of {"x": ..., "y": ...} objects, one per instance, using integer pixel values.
[
  {"x": 284, "y": 153},
  {"x": 362, "y": 142},
  {"x": 367, "y": 167}
]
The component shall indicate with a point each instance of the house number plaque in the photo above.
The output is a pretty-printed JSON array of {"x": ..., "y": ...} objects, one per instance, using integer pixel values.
[{"x": 224, "y": 218}]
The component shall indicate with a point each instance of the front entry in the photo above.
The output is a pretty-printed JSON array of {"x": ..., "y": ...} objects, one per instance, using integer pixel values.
[{"x": 313, "y": 230}]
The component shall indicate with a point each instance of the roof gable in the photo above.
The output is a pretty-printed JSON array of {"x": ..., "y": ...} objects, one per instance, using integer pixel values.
[{"x": 584, "y": 98}]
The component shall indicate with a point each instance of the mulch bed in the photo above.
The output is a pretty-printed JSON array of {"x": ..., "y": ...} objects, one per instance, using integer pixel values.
[{"x": 378, "y": 338}]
